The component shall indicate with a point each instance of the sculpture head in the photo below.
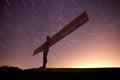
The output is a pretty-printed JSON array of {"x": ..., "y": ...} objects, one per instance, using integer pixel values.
[{"x": 48, "y": 37}]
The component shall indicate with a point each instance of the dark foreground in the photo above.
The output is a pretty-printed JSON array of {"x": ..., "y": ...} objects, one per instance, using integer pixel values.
[{"x": 61, "y": 74}]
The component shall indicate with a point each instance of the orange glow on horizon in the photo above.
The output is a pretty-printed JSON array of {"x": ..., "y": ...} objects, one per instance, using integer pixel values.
[{"x": 97, "y": 63}]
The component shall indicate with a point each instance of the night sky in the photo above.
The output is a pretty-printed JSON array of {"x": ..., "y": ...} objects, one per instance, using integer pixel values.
[{"x": 24, "y": 25}]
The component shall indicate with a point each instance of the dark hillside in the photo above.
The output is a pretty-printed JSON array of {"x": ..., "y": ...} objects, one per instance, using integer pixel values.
[{"x": 14, "y": 73}]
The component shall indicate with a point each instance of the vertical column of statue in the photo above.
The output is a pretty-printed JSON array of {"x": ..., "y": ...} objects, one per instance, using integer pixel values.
[{"x": 45, "y": 52}]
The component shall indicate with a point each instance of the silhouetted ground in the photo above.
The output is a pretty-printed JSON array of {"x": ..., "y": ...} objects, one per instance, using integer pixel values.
[
  {"x": 14, "y": 73},
  {"x": 9, "y": 69}
]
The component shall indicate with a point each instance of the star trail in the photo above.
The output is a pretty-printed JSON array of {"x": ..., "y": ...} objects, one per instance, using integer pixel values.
[{"x": 24, "y": 25}]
